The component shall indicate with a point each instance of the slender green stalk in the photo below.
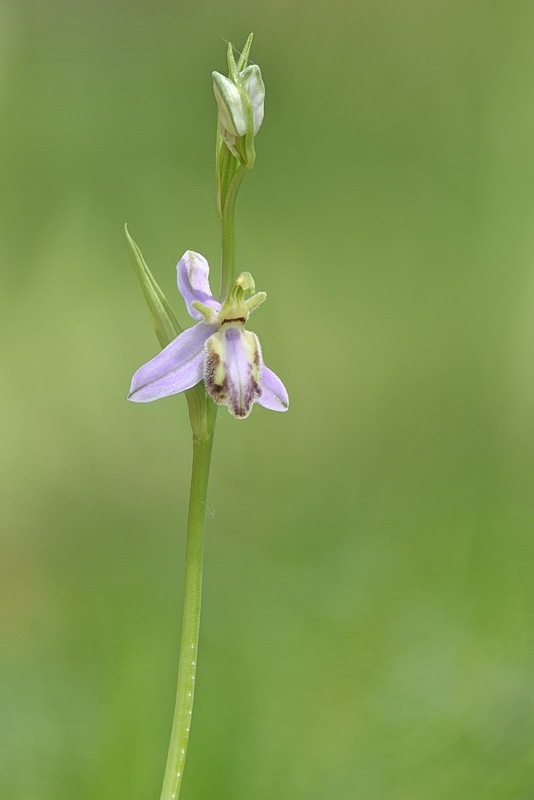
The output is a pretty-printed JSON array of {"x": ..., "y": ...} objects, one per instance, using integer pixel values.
[
  {"x": 202, "y": 447},
  {"x": 202, "y": 412},
  {"x": 227, "y": 231}
]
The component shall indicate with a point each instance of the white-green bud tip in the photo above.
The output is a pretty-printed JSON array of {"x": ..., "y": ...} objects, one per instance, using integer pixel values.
[{"x": 232, "y": 114}]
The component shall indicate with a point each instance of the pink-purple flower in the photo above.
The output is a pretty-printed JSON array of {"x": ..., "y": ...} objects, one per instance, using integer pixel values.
[{"x": 218, "y": 349}]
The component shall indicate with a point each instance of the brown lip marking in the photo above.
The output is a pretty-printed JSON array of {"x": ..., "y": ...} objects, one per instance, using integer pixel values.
[
  {"x": 218, "y": 392},
  {"x": 237, "y": 319}
]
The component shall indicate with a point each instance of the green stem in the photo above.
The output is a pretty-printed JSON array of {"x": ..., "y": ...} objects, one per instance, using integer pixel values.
[
  {"x": 227, "y": 232},
  {"x": 203, "y": 431},
  {"x": 202, "y": 413}
]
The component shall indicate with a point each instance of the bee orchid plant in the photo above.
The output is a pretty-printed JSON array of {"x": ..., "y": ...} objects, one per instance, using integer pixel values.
[{"x": 216, "y": 362}]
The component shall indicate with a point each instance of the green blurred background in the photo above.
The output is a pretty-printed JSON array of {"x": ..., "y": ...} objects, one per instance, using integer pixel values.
[{"x": 367, "y": 621}]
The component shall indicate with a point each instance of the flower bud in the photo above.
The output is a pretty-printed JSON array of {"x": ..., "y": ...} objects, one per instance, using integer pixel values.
[{"x": 240, "y": 100}]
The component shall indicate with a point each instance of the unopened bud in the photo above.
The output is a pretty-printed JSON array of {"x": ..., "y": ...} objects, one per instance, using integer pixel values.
[{"x": 240, "y": 100}]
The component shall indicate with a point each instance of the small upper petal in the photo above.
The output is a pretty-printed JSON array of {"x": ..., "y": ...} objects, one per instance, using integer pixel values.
[
  {"x": 178, "y": 367},
  {"x": 193, "y": 282},
  {"x": 273, "y": 392}
]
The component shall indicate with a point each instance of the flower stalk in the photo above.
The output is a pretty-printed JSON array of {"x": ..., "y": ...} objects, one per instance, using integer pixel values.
[
  {"x": 187, "y": 665},
  {"x": 228, "y": 231}
]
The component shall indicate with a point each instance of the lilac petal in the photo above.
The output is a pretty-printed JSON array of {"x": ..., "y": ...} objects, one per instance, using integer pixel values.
[
  {"x": 193, "y": 282},
  {"x": 178, "y": 367},
  {"x": 232, "y": 369},
  {"x": 273, "y": 392}
]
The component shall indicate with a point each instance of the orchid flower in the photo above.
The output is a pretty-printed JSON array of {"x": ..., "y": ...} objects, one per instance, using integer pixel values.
[{"x": 218, "y": 349}]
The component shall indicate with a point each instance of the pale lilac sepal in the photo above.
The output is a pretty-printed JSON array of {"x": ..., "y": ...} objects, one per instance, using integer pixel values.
[
  {"x": 193, "y": 282},
  {"x": 273, "y": 392},
  {"x": 178, "y": 367}
]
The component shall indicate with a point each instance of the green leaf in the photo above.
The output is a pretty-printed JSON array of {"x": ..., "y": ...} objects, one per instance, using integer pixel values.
[
  {"x": 243, "y": 58},
  {"x": 166, "y": 326},
  {"x": 232, "y": 66}
]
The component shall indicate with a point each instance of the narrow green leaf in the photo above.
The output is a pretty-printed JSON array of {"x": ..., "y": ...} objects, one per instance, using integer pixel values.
[
  {"x": 243, "y": 58},
  {"x": 166, "y": 326},
  {"x": 232, "y": 66}
]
